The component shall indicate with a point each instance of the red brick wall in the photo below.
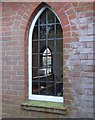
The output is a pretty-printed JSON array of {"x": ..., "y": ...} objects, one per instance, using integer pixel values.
[
  {"x": 0, "y": 61},
  {"x": 77, "y": 23}
]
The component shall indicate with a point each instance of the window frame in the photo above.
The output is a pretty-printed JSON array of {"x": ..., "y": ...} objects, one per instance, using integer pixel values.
[{"x": 30, "y": 95}]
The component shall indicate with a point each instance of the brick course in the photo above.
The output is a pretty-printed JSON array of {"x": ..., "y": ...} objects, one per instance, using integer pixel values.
[{"x": 77, "y": 23}]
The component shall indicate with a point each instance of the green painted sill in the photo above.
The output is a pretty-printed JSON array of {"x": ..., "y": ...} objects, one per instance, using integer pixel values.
[{"x": 43, "y": 106}]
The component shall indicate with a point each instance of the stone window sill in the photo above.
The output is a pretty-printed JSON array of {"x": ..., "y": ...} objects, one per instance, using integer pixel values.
[{"x": 43, "y": 106}]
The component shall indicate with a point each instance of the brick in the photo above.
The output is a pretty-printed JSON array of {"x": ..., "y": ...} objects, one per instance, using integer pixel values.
[
  {"x": 20, "y": 13},
  {"x": 83, "y": 3},
  {"x": 22, "y": 27},
  {"x": 67, "y": 6},
  {"x": 67, "y": 40},
  {"x": 83, "y": 56},
  {"x": 65, "y": 22},
  {"x": 6, "y": 28},
  {"x": 75, "y": 4},
  {"x": 86, "y": 50},
  {"x": 8, "y": 33},
  {"x": 67, "y": 34},
  {"x": 81, "y": 14},
  {"x": 68, "y": 96},
  {"x": 23, "y": 8},
  {"x": 87, "y": 62},
  {"x": 75, "y": 74},
  {"x": 79, "y": 9},
  {"x": 87, "y": 74},
  {"x": 75, "y": 34},
  {"x": 6, "y": 18},
  {"x": 70, "y": 11},
  {"x": 86, "y": 38},
  {"x": 72, "y": 16},
  {"x": 57, "y": 8},
  {"x": 91, "y": 56},
  {"x": 18, "y": 87},
  {"x": 18, "y": 18},
  {"x": 66, "y": 45},
  {"x": 25, "y": 17},
  {"x": 74, "y": 39},
  {"x": 73, "y": 57},
  {"x": 89, "y": 7},
  {"x": 7, "y": 38},
  {"x": 60, "y": 12},
  {"x": 89, "y": 13},
  {"x": 90, "y": 44},
  {"x": 66, "y": 28},
  {"x": 90, "y": 98},
  {"x": 28, "y": 12}
]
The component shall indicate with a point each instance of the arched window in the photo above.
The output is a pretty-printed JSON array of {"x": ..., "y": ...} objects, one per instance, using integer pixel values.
[{"x": 46, "y": 57}]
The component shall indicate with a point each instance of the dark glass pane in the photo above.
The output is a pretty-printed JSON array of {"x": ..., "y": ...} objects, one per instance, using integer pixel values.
[
  {"x": 43, "y": 32},
  {"x": 35, "y": 87},
  {"x": 35, "y": 46},
  {"x": 34, "y": 72},
  {"x": 35, "y": 33},
  {"x": 50, "y": 16},
  {"x": 59, "y": 47},
  {"x": 51, "y": 45},
  {"x": 50, "y": 31},
  {"x": 35, "y": 60},
  {"x": 59, "y": 60},
  {"x": 58, "y": 31},
  {"x": 43, "y": 18},
  {"x": 42, "y": 46},
  {"x": 58, "y": 75}
]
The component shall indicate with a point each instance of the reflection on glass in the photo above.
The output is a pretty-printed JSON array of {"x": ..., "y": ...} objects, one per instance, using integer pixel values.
[
  {"x": 43, "y": 32},
  {"x": 50, "y": 31}
]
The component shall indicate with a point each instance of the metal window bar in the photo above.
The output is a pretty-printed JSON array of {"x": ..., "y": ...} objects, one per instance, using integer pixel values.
[
  {"x": 54, "y": 56},
  {"x": 48, "y": 24},
  {"x": 38, "y": 55},
  {"x": 46, "y": 51},
  {"x": 48, "y": 39}
]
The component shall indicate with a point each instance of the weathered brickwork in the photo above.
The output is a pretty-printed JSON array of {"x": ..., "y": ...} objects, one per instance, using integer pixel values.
[
  {"x": 0, "y": 61},
  {"x": 77, "y": 20}
]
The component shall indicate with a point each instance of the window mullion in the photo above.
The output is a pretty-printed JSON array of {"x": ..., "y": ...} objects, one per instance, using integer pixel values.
[
  {"x": 39, "y": 55},
  {"x": 46, "y": 50},
  {"x": 54, "y": 56}
]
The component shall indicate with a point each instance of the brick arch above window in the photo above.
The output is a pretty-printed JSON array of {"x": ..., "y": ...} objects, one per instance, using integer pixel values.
[{"x": 65, "y": 12}]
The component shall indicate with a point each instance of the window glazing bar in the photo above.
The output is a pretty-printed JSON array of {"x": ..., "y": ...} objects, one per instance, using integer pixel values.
[
  {"x": 38, "y": 56},
  {"x": 55, "y": 56},
  {"x": 46, "y": 51},
  {"x": 48, "y": 24},
  {"x": 50, "y": 39}
]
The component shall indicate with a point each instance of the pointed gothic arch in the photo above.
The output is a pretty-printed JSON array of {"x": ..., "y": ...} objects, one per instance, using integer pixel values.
[{"x": 37, "y": 37}]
